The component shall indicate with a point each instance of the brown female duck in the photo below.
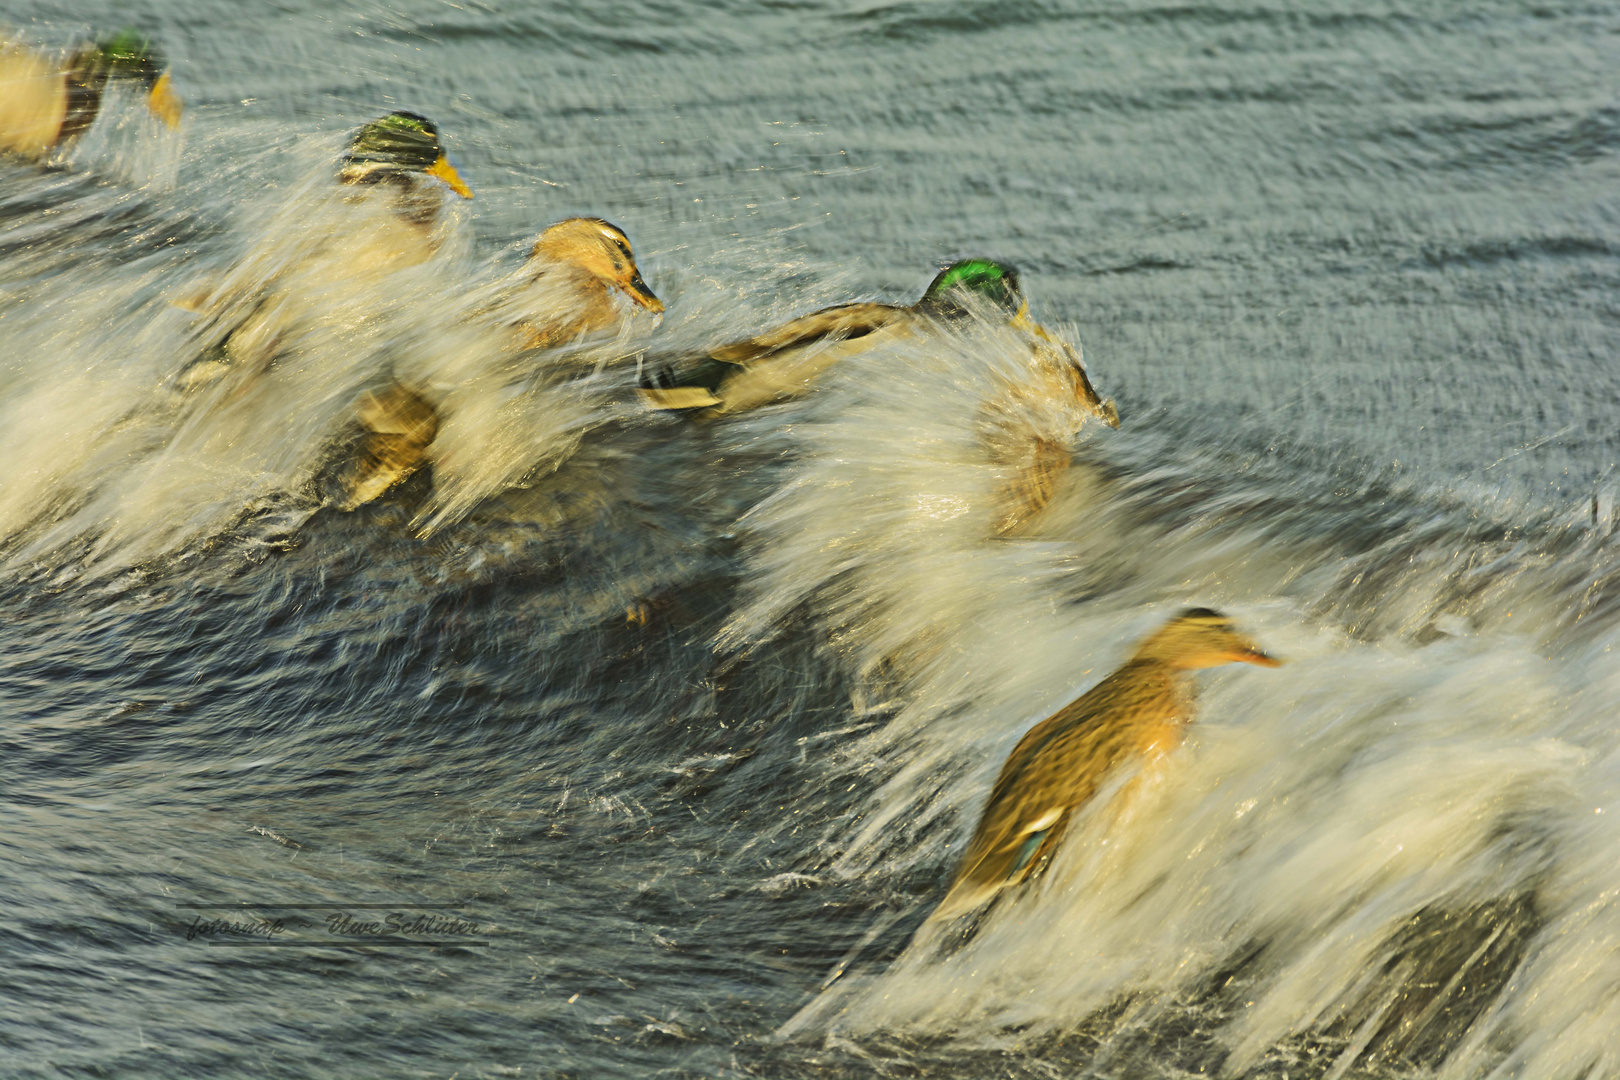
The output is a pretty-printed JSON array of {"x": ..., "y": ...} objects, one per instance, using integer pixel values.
[
  {"x": 575, "y": 284},
  {"x": 1059, "y": 765}
]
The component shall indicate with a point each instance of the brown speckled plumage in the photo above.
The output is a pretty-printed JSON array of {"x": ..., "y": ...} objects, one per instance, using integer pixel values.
[
  {"x": 593, "y": 260},
  {"x": 400, "y": 426},
  {"x": 1060, "y": 763}
]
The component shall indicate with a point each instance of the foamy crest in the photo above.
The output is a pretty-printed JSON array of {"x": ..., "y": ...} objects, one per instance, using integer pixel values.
[
  {"x": 1388, "y": 849},
  {"x": 151, "y": 443}
]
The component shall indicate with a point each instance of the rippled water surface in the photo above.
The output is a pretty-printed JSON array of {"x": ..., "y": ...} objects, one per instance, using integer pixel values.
[{"x": 683, "y": 718}]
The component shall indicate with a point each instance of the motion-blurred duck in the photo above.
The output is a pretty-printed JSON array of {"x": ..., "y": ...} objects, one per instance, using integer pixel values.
[
  {"x": 46, "y": 102},
  {"x": 580, "y": 281},
  {"x": 395, "y": 176},
  {"x": 577, "y": 278},
  {"x": 783, "y": 363},
  {"x": 1027, "y": 427},
  {"x": 1058, "y": 766}
]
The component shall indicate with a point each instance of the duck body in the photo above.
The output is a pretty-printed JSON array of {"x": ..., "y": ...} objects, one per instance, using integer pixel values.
[
  {"x": 348, "y": 248},
  {"x": 398, "y": 419},
  {"x": 33, "y": 101},
  {"x": 1056, "y": 769},
  {"x": 47, "y": 101},
  {"x": 580, "y": 280},
  {"x": 777, "y": 365},
  {"x": 783, "y": 363},
  {"x": 1059, "y": 765}
]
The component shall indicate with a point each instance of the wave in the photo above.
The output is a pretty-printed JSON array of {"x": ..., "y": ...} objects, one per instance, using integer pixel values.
[
  {"x": 1381, "y": 854},
  {"x": 116, "y": 458},
  {"x": 1396, "y": 850}
]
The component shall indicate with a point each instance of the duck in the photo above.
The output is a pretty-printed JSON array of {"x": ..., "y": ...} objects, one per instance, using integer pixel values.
[
  {"x": 573, "y": 285},
  {"x": 783, "y": 363},
  {"x": 580, "y": 280},
  {"x": 393, "y": 178},
  {"x": 1139, "y": 711},
  {"x": 394, "y": 150},
  {"x": 1027, "y": 425},
  {"x": 47, "y": 102}
]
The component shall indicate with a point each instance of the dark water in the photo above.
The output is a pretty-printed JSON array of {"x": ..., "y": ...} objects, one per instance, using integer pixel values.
[{"x": 1349, "y": 271}]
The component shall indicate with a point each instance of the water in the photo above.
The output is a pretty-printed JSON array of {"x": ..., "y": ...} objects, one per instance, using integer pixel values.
[{"x": 684, "y": 718}]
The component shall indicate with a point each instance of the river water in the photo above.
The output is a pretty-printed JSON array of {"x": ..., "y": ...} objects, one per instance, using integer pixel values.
[{"x": 649, "y": 727}]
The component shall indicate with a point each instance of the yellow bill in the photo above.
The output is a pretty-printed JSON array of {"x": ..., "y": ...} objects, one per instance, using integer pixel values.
[
  {"x": 164, "y": 102},
  {"x": 443, "y": 170},
  {"x": 638, "y": 291},
  {"x": 1022, "y": 321}
]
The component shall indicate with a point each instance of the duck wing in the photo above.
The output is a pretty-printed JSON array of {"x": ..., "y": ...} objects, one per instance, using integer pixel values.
[
  {"x": 1054, "y": 770},
  {"x": 1005, "y": 856},
  {"x": 843, "y": 322},
  {"x": 400, "y": 425},
  {"x": 689, "y": 382},
  {"x": 1027, "y": 814}
]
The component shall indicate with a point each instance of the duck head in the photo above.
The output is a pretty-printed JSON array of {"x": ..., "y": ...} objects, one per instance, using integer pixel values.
[
  {"x": 981, "y": 282},
  {"x": 1202, "y": 638},
  {"x": 130, "y": 56},
  {"x": 599, "y": 250},
  {"x": 395, "y": 148},
  {"x": 993, "y": 287}
]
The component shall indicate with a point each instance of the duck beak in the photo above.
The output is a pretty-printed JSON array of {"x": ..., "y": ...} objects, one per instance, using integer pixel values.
[
  {"x": 637, "y": 290},
  {"x": 1250, "y": 653},
  {"x": 1022, "y": 321},
  {"x": 443, "y": 170},
  {"x": 164, "y": 103}
]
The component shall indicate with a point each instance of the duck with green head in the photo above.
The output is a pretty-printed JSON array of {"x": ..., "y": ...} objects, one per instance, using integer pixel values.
[
  {"x": 783, "y": 363},
  {"x": 394, "y": 182},
  {"x": 396, "y": 149},
  {"x": 1137, "y": 712},
  {"x": 47, "y": 102},
  {"x": 1027, "y": 423}
]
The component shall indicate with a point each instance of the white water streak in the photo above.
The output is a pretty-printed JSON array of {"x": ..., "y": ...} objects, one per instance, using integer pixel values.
[{"x": 1314, "y": 810}]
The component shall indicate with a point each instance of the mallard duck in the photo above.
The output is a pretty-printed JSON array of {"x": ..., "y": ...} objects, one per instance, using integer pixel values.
[
  {"x": 572, "y": 285},
  {"x": 394, "y": 179},
  {"x": 782, "y": 363},
  {"x": 576, "y": 274},
  {"x": 46, "y": 102},
  {"x": 1059, "y": 764},
  {"x": 394, "y": 150},
  {"x": 1027, "y": 425}
]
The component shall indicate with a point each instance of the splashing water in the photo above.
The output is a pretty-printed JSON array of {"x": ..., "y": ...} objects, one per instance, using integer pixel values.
[{"x": 694, "y": 716}]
